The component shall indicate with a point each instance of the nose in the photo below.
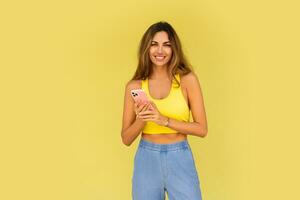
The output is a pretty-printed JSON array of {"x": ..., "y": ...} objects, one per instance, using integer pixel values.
[{"x": 159, "y": 50}]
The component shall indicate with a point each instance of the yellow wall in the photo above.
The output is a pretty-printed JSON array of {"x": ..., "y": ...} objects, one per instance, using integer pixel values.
[{"x": 64, "y": 65}]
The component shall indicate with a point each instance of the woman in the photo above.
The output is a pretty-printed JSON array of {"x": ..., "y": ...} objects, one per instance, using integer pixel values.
[{"x": 164, "y": 162}]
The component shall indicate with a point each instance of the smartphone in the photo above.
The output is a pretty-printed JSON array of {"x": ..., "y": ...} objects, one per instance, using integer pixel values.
[{"x": 140, "y": 95}]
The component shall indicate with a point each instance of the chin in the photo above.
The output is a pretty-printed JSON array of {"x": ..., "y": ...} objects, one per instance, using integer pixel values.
[{"x": 160, "y": 64}]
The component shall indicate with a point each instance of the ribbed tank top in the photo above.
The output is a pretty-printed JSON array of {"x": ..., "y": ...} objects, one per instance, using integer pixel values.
[{"x": 173, "y": 106}]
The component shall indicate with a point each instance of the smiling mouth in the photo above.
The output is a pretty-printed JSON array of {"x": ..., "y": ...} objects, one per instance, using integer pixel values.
[{"x": 160, "y": 58}]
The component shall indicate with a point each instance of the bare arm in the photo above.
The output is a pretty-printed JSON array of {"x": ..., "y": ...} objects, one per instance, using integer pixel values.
[{"x": 131, "y": 126}]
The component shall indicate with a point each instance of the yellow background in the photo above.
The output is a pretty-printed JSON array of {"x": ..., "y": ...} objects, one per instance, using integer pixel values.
[{"x": 64, "y": 65}]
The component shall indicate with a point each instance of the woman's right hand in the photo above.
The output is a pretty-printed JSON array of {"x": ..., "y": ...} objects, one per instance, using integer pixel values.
[{"x": 140, "y": 107}]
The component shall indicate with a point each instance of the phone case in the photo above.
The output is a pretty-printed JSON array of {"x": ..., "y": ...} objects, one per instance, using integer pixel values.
[{"x": 139, "y": 94}]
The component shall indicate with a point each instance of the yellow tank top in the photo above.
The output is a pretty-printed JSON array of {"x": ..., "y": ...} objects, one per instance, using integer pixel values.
[{"x": 173, "y": 106}]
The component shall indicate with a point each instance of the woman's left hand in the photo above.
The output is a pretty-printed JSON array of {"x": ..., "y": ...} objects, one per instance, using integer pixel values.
[{"x": 153, "y": 115}]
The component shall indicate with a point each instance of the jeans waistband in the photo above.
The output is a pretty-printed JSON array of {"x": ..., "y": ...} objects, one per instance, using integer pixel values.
[{"x": 164, "y": 147}]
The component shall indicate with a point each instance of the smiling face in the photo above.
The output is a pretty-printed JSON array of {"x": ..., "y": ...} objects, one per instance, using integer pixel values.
[{"x": 160, "y": 51}]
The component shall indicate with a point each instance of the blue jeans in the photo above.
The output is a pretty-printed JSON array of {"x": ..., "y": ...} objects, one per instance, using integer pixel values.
[{"x": 160, "y": 168}]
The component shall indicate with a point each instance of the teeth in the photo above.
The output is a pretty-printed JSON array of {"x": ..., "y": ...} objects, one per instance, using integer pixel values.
[{"x": 160, "y": 57}]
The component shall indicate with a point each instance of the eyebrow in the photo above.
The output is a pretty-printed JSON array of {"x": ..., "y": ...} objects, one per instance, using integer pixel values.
[{"x": 164, "y": 42}]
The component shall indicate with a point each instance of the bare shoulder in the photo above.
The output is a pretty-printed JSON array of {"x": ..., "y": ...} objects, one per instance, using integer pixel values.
[
  {"x": 189, "y": 80},
  {"x": 133, "y": 84}
]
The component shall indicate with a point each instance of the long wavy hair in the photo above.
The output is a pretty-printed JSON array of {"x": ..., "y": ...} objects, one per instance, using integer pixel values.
[{"x": 178, "y": 62}]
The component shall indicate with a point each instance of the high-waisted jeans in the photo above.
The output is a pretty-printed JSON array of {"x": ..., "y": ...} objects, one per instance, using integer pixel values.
[{"x": 160, "y": 168}]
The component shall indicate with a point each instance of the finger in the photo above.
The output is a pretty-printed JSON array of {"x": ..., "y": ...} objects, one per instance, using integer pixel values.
[
  {"x": 139, "y": 109},
  {"x": 146, "y": 107},
  {"x": 146, "y": 112},
  {"x": 149, "y": 107},
  {"x": 150, "y": 104},
  {"x": 146, "y": 117},
  {"x": 142, "y": 107}
]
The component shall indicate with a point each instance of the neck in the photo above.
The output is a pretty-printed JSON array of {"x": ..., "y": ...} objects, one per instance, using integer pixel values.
[{"x": 160, "y": 72}]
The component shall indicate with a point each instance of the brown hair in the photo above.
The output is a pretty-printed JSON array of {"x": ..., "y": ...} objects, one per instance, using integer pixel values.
[{"x": 178, "y": 62}]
